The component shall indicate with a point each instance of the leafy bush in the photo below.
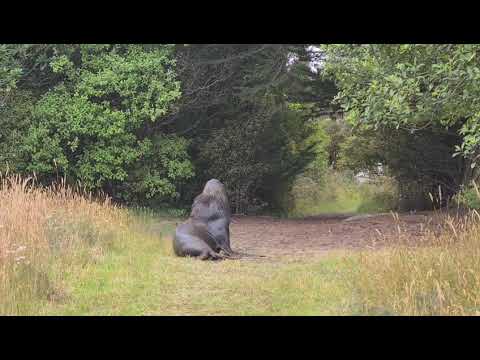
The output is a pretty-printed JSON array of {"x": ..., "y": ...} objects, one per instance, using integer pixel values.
[
  {"x": 91, "y": 113},
  {"x": 469, "y": 197}
]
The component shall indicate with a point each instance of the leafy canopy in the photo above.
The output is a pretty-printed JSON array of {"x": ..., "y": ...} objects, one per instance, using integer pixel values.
[
  {"x": 410, "y": 86},
  {"x": 95, "y": 124}
]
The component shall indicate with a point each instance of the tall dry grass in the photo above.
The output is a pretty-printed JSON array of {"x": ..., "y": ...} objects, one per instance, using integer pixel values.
[
  {"x": 439, "y": 275},
  {"x": 48, "y": 228}
]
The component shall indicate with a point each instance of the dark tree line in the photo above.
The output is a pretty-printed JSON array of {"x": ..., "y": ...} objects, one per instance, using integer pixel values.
[
  {"x": 149, "y": 124},
  {"x": 235, "y": 110}
]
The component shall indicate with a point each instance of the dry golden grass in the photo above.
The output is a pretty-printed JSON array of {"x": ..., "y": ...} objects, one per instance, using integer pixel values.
[
  {"x": 440, "y": 275},
  {"x": 45, "y": 227}
]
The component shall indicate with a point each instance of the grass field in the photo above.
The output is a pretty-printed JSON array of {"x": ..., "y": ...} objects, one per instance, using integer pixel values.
[
  {"x": 65, "y": 254},
  {"x": 338, "y": 193},
  {"x": 139, "y": 276}
]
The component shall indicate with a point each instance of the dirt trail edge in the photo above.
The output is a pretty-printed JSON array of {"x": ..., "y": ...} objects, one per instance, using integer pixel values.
[{"x": 318, "y": 234}]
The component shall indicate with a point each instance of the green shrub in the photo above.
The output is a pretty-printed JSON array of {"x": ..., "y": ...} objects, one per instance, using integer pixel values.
[{"x": 468, "y": 197}]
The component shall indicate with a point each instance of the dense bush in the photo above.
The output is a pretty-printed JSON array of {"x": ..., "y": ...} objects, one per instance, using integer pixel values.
[
  {"x": 237, "y": 111},
  {"x": 422, "y": 163},
  {"x": 95, "y": 122}
]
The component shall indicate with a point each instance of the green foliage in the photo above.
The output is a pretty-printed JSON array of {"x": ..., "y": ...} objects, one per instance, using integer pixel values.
[
  {"x": 338, "y": 192},
  {"x": 15, "y": 106},
  {"x": 412, "y": 108},
  {"x": 10, "y": 72},
  {"x": 322, "y": 142},
  {"x": 160, "y": 172},
  {"x": 469, "y": 197},
  {"x": 238, "y": 111},
  {"x": 96, "y": 122},
  {"x": 420, "y": 162},
  {"x": 255, "y": 154},
  {"x": 361, "y": 150},
  {"x": 134, "y": 121},
  {"x": 410, "y": 86},
  {"x": 337, "y": 131},
  {"x": 15, "y": 117}
]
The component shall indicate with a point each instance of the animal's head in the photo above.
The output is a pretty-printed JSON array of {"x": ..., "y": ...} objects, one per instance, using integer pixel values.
[{"x": 215, "y": 188}]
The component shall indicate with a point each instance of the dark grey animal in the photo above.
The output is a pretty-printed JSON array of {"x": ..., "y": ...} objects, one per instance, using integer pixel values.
[
  {"x": 193, "y": 239},
  {"x": 206, "y": 234}
]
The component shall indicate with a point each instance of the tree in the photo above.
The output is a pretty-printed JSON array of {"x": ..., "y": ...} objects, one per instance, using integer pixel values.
[
  {"x": 94, "y": 114},
  {"x": 421, "y": 91},
  {"x": 137, "y": 121},
  {"x": 410, "y": 86},
  {"x": 235, "y": 111}
]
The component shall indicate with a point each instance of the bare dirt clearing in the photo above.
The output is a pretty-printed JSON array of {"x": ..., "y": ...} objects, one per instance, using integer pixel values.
[{"x": 317, "y": 235}]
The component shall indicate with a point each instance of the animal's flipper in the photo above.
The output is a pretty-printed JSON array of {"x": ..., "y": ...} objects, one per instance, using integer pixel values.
[
  {"x": 224, "y": 247},
  {"x": 217, "y": 256},
  {"x": 239, "y": 253},
  {"x": 229, "y": 252}
]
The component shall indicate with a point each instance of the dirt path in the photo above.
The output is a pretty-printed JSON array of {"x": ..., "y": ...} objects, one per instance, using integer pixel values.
[{"x": 316, "y": 235}]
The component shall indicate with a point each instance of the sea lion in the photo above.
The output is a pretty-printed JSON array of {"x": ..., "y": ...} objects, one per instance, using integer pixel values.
[
  {"x": 212, "y": 207},
  {"x": 192, "y": 239},
  {"x": 207, "y": 232}
]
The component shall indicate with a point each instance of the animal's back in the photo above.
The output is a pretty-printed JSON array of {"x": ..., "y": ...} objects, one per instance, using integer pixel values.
[{"x": 206, "y": 208}]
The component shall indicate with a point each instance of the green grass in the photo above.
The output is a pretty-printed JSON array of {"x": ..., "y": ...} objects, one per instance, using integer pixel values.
[
  {"x": 140, "y": 276},
  {"x": 137, "y": 274},
  {"x": 63, "y": 254},
  {"x": 468, "y": 197},
  {"x": 337, "y": 193}
]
